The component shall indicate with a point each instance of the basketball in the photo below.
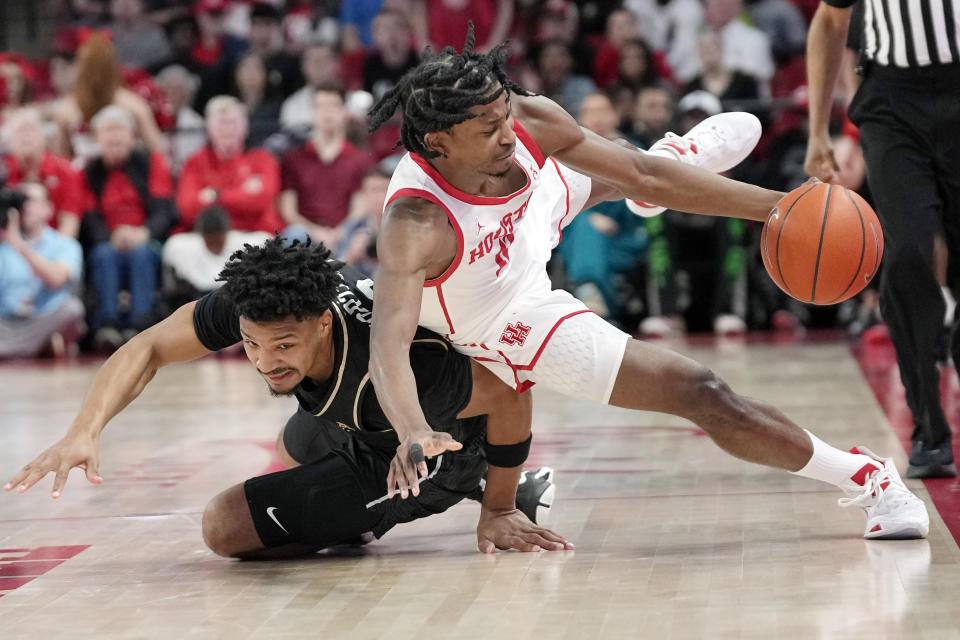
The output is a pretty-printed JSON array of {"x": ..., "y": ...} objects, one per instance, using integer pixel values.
[{"x": 822, "y": 244}]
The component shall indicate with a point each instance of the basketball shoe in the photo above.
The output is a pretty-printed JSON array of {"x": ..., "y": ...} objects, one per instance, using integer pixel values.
[
  {"x": 717, "y": 144},
  {"x": 892, "y": 511},
  {"x": 535, "y": 493}
]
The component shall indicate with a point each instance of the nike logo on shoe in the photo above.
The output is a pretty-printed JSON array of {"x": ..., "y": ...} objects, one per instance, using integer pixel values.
[{"x": 270, "y": 511}]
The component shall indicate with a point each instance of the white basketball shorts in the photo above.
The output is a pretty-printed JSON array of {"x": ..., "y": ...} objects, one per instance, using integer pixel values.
[{"x": 556, "y": 342}]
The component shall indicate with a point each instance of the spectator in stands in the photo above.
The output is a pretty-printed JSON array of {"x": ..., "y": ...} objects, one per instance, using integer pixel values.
[
  {"x": 320, "y": 67},
  {"x": 671, "y": 28},
  {"x": 128, "y": 202},
  {"x": 621, "y": 29},
  {"x": 266, "y": 40},
  {"x": 320, "y": 177},
  {"x": 555, "y": 66},
  {"x": 653, "y": 114},
  {"x": 92, "y": 14},
  {"x": 16, "y": 93},
  {"x": 729, "y": 85},
  {"x": 358, "y": 241},
  {"x": 637, "y": 69},
  {"x": 215, "y": 53},
  {"x": 356, "y": 23},
  {"x": 29, "y": 160},
  {"x": 745, "y": 48},
  {"x": 98, "y": 84},
  {"x": 392, "y": 54},
  {"x": 442, "y": 23},
  {"x": 244, "y": 182},
  {"x": 39, "y": 271},
  {"x": 607, "y": 241},
  {"x": 138, "y": 41},
  {"x": 192, "y": 261},
  {"x": 784, "y": 25},
  {"x": 263, "y": 112},
  {"x": 183, "y": 35},
  {"x": 190, "y": 134}
]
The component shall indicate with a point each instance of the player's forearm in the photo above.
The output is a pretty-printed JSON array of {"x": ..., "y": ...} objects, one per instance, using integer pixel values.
[
  {"x": 500, "y": 493},
  {"x": 121, "y": 379},
  {"x": 825, "y": 46},
  {"x": 682, "y": 187},
  {"x": 396, "y": 387}
]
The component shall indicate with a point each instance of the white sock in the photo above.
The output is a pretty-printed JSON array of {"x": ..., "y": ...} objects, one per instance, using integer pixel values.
[
  {"x": 832, "y": 465},
  {"x": 951, "y": 305}
]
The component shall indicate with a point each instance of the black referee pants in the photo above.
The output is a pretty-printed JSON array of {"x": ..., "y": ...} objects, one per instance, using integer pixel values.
[{"x": 910, "y": 132}]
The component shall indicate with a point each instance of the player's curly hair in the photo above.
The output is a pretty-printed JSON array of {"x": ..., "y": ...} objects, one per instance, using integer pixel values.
[
  {"x": 437, "y": 93},
  {"x": 271, "y": 281}
]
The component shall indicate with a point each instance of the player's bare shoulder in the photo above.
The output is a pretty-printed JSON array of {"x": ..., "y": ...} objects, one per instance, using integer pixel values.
[
  {"x": 417, "y": 234},
  {"x": 548, "y": 124}
]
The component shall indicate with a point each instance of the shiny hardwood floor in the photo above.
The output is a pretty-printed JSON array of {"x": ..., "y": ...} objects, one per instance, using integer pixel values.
[{"x": 674, "y": 538}]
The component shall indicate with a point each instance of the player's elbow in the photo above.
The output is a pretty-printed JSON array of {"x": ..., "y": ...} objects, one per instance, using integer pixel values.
[{"x": 646, "y": 183}]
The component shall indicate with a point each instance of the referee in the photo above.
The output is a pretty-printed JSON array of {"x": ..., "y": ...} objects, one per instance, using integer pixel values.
[{"x": 908, "y": 111}]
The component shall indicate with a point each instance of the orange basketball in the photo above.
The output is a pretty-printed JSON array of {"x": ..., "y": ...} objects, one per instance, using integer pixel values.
[{"x": 822, "y": 243}]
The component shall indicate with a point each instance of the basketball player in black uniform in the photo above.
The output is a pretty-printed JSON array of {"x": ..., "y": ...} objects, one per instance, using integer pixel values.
[{"x": 305, "y": 325}]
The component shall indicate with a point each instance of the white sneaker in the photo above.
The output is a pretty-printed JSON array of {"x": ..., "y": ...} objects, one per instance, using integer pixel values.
[
  {"x": 717, "y": 144},
  {"x": 892, "y": 511},
  {"x": 727, "y": 324}
]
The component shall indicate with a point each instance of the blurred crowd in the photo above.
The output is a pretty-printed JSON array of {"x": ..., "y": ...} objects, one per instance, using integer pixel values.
[{"x": 159, "y": 136}]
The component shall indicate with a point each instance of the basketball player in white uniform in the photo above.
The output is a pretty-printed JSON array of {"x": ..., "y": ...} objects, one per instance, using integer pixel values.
[{"x": 491, "y": 178}]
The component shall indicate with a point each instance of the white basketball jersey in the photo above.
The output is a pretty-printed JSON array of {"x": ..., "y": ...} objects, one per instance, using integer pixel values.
[{"x": 503, "y": 243}]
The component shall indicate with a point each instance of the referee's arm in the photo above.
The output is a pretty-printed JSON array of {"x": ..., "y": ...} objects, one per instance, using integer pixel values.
[{"x": 825, "y": 51}]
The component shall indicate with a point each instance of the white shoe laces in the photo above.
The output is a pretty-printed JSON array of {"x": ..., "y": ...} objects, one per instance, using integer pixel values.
[{"x": 873, "y": 490}]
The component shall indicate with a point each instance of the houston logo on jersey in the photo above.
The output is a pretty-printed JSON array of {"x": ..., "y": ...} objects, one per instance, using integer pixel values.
[
  {"x": 515, "y": 334},
  {"x": 503, "y": 236}
]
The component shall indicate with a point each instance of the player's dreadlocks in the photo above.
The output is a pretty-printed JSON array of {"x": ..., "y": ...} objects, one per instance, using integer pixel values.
[
  {"x": 269, "y": 282},
  {"x": 437, "y": 93}
]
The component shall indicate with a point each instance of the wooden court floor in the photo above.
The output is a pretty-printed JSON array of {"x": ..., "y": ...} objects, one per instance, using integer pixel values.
[{"x": 674, "y": 539}]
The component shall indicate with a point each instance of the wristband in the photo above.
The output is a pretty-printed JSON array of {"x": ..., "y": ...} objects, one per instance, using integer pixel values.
[{"x": 507, "y": 455}]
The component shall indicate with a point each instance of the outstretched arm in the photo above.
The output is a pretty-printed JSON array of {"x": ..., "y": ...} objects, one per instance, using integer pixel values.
[
  {"x": 413, "y": 235},
  {"x": 121, "y": 379},
  {"x": 637, "y": 175}
]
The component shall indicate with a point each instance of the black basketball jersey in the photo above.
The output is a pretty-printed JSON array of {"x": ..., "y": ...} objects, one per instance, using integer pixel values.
[{"x": 347, "y": 398}]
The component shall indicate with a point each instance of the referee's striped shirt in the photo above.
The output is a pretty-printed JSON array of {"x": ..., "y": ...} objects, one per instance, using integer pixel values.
[{"x": 909, "y": 33}]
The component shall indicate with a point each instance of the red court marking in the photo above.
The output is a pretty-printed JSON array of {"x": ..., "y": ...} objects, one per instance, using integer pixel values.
[
  {"x": 271, "y": 447},
  {"x": 29, "y": 568},
  {"x": 879, "y": 365}
]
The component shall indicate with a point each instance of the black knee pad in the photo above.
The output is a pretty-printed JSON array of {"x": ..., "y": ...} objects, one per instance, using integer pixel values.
[{"x": 317, "y": 504}]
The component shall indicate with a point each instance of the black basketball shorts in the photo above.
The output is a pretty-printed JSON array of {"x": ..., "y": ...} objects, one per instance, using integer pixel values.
[{"x": 342, "y": 495}]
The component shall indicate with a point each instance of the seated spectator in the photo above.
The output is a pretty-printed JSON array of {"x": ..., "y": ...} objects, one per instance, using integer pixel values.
[
  {"x": 127, "y": 196},
  {"x": 263, "y": 112},
  {"x": 138, "y": 41},
  {"x": 729, "y": 85},
  {"x": 320, "y": 177},
  {"x": 442, "y": 23},
  {"x": 215, "y": 52},
  {"x": 555, "y": 66},
  {"x": 98, "y": 84},
  {"x": 652, "y": 114},
  {"x": 606, "y": 242},
  {"x": 745, "y": 48},
  {"x": 244, "y": 182},
  {"x": 39, "y": 271},
  {"x": 784, "y": 25},
  {"x": 356, "y": 23},
  {"x": 192, "y": 261},
  {"x": 392, "y": 54},
  {"x": 621, "y": 29},
  {"x": 671, "y": 28},
  {"x": 16, "y": 73},
  {"x": 29, "y": 160},
  {"x": 320, "y": 67},
  {"x": 358, "y": 240},
  {"x": 266, "y": 40},
  {"x": 189, "y": 134}
]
